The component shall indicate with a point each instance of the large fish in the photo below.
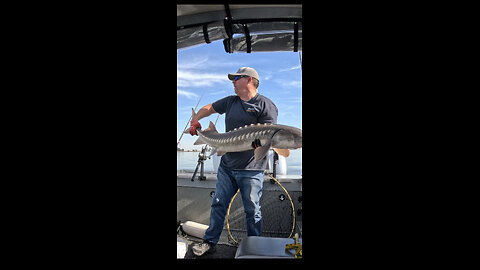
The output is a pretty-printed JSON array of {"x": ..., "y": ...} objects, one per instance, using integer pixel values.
[{"x": 280, "y": 137}]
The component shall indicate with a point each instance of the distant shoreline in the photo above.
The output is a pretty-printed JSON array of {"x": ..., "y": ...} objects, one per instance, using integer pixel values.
[
  {"x": 183, "y": 150},
  {"x": 192, "y": 150}
]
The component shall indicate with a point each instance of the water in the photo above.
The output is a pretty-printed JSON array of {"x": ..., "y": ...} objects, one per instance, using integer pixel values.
[{"x": 189, "y": 160}]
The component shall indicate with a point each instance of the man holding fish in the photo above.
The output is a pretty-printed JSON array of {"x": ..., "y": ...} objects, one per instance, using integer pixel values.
[{"x": 244, "y": 152}]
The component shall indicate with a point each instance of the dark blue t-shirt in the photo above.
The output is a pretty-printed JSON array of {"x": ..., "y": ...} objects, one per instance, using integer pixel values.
[{"x": 239, "y": 113}]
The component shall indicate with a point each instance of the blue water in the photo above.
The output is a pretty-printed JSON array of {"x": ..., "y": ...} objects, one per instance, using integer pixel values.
[{"x": 189, "y": 160}]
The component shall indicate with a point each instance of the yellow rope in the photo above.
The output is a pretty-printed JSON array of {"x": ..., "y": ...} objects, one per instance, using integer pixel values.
[
  {"x": 228, "y": 214},
  {"x": 291, "y": 202}
]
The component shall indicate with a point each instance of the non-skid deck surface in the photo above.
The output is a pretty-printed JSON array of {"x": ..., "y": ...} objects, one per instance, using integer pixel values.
[{"x": 221, "y": 252}]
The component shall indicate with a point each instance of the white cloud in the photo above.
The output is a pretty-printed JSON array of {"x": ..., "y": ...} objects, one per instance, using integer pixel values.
[
  {"x": 290, "y": 68},
  {"x": 289, "y": 83},
  {"x": 287, "y": 114},
  {"x": 221, "y": 92},
  {"x": 296, "y": 99},
  {"x": 200, "y": 79},
  {"x": 204, "y": 71},
  {"x": 193, "y": 63},
  {"x": 187, "y": 94},
  {"x": 205, "y": 62}
]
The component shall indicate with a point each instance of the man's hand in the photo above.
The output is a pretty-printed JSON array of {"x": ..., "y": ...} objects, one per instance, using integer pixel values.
[
  {"x": 194, "y": 124},
  {"x": 256, "y": 143}
]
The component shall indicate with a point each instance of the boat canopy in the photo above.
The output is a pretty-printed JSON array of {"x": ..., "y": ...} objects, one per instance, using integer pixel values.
[{"x": 243, "y": 28}]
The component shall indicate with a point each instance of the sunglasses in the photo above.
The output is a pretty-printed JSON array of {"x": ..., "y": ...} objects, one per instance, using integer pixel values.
[{"x": 236, "y": 78}]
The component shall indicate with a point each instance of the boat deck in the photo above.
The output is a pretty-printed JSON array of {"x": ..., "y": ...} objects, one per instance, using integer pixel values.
[
  {"x": 193, "y": 204},
  {"x": 222, "y": 251}
]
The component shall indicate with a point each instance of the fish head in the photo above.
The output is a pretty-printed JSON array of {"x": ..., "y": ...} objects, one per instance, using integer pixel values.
[{"x": 290, "y": 138}]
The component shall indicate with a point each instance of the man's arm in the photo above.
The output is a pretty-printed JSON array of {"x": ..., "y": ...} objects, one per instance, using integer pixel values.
[
  {"x": 202, "y": 113},
  {"x": 205, "y": 111}
]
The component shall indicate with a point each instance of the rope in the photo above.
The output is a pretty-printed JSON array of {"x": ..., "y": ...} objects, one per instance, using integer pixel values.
[
  {"x": 291, "y": 202},
  {"x": 230, "y": 205},
  {"x": 228, "y": 214}
]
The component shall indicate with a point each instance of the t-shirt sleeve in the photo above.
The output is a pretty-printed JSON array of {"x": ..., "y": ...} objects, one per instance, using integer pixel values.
[
  {"x": 269, "y": 113},
  {"x": 220, "y": 106}
]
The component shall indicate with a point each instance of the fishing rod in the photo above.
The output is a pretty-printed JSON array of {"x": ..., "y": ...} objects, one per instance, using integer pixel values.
[
  {"x": 217, "y": 119},
  {"x": 190, "y": 118}
]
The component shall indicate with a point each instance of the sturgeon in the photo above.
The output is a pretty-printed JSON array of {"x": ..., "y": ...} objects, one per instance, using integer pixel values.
[{"x": 279, "y": 137}]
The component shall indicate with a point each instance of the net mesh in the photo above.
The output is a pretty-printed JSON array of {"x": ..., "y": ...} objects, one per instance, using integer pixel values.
[{"x": 277, "y": 217}]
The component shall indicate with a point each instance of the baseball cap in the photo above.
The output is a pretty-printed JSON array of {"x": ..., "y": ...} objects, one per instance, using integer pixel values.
[{"x": 244, "y": 71}]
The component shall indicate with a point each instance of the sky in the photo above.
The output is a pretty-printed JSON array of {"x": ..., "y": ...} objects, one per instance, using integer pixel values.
[{"x": 203, "y": 69}]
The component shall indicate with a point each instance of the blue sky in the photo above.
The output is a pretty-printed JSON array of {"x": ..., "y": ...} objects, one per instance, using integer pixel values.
[{"x": 204, "y": 69}]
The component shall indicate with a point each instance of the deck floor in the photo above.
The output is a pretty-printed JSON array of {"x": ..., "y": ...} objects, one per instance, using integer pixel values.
[
  {"x": 222, "y": 249},
  {"x": 221, "y": 252}
]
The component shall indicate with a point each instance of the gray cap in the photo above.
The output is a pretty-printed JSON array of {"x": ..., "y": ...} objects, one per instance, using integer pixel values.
[{"x": 244, "y": 71}]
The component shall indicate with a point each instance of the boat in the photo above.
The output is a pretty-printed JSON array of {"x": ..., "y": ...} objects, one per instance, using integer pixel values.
[{"x": 242, "y": 29}]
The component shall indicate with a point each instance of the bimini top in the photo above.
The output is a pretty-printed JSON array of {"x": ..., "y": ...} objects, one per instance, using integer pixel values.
[{"x": 243, "y": 28}]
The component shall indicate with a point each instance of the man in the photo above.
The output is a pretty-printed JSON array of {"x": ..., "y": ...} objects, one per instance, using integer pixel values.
[{"x": 237, "y": 170}]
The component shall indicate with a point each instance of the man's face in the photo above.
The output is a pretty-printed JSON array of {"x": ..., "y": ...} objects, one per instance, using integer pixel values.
[{"x": 240, "y": 84}]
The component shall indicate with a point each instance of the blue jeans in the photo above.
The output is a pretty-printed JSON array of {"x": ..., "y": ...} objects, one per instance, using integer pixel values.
[{"x": 250, "y": 184}]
